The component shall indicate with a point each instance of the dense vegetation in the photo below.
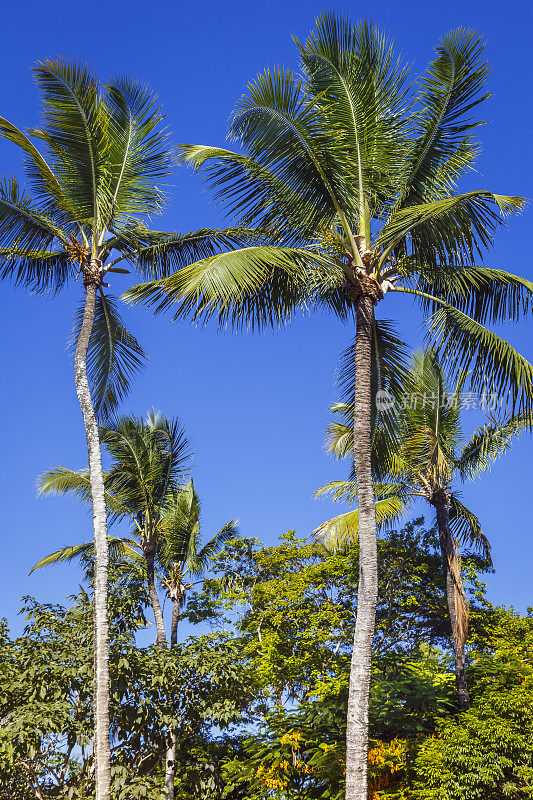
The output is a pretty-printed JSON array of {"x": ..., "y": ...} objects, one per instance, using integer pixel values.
[{"x": 258, "y": 703}]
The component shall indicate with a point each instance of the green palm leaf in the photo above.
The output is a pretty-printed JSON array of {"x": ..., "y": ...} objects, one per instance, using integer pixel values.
[
  {"x": 466, "y": 528},
  {"x": 225, "y": 284},
  {"x": 113, "y": 358},
  {"x": 118, "y": 548}
]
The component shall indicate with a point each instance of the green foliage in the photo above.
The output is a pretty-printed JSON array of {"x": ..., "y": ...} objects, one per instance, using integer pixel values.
[
  {"x": 46, "y": 733},
  {"x": 487, "y": 752}
]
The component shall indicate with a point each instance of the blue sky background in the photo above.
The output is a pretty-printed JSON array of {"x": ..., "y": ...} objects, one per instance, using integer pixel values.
[{"x": 255, "y": 407}]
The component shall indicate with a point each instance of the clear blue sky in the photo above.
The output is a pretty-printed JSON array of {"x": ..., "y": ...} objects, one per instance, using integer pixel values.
[{"x": 255, "y": 406}]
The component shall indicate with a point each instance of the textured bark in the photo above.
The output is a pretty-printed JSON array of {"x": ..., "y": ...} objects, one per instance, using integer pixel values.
[
  {"x": 175, "y": 620},
  {"x": 448, "y": 555},
  {"x": 170, "y": 766},
  {"x": 161, "y": 641},
  {"x": 101, "y": 557},
  {"x": 161, "y": 637},
  {"x": 359, "y": 690}
]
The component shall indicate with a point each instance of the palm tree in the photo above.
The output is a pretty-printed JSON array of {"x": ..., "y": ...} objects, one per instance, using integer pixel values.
[
  {"x": 149, "y": 458},
  {"x": 104, "y": 154},
  {"x": 349, "y": 176},
  {"x": 426, "y": 459},
  {"x": 181, "y": 555}
]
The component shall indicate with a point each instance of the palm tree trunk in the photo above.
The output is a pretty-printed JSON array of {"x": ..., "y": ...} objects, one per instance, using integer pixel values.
[
  {"x": 161, "y": 637},
  {"x": 455, "y": 598},
  {"x": 161, "y": 641},
  {"x": 170, "y": 768},
  {"x": 360, "y": 671},
  {"x": 175, "y": 620},
  {"x": 101, "y": 556}
]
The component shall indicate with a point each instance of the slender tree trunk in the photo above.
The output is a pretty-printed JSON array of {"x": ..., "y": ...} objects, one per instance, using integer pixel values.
[
  {"x": 360, "y": 671},
  {"x": 101, "y": 557},
  {"x": 170, "y": 767},
  {"x": 161, "y": 637},
  {"x": 175, "y": 620},
  {"x": 454, "y": 593},
  {"x": 161, "y": 641}
]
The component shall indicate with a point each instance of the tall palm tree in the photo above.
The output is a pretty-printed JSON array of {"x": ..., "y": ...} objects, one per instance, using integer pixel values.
[
  {"x": 92, "y": 185},
  {"x": 428, "y": 458},
  {"x": 349, "y": 175},
  {"x": 149, "y": 459}
]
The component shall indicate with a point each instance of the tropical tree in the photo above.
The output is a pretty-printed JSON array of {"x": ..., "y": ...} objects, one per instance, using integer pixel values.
[
  {"x": 349, "y": 175},
  {"x": 149, "y": 458},
  {"x": 181, "y": 553},
  {"x": 92, "y": 187},
  {"x": 428, "y": 458}
]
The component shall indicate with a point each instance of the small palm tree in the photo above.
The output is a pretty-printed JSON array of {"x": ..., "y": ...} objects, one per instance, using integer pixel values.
[
  {"x": 349, "y": 175},
  {"x": 427, "y": 458},
  {"x": 181, "y": 554},
  {"x": 149, "y": 458}
]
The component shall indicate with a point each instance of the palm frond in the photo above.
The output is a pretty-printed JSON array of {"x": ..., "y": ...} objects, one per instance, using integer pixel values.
[
  {"x": 465, "y": 527},
  {"x": 278, "y": 129},
  {"x": 488, "y": 295},
  {"x": 138, "y": 153},
  {"x": 488, "y": 443},
  {"x": 62, "y": 480},
  {"x": 253, "y": 286},
  {"x": 75, "y": 132},
  {"x": 117, "y": 549},
  {"x": 443, "y": 148},
  {"x": 357, "y": 83},
  {"x": 461, "y": 226},
  {"x": 503, "y": 376},
  {"x": 113, "y": 358},
  {"x": 341, "y": 533}
]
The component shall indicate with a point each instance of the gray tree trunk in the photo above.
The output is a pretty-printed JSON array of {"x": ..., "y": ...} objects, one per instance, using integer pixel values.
[
  {"x": 102, "y": 748},
  {"x": 447, "y": 551},
  {"x": 161, "y": 641},
  {"x": 161, "y": 637},
  {"x": 175, "y": 620},
  {"x": 360, "y": 671}
]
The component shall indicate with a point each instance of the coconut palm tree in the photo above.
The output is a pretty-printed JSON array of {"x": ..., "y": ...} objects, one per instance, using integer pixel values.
[
  {"x": 149, "y": 459},
  {"x": 349, "y": 175},
  {"x": 429, "y": 459},
  {"x": 180, "y": 555},
  {"x": 93, "y": 185}
]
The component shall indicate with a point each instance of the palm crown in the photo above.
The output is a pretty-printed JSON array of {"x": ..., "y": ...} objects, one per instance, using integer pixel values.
[
  {"x": 92, "y": 186},
  {"x": 350, "y": 177},
  {"x": 426, "y": 458}
]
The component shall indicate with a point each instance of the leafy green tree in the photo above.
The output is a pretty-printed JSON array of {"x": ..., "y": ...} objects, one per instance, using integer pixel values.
[
  {"x": 350, "y": 177},
  {"x": 487, "y": 753},
  {"x": 46, "y": 731},
  {"x": 427, "y": 458},
  {"x": 293, "y": 607}
]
